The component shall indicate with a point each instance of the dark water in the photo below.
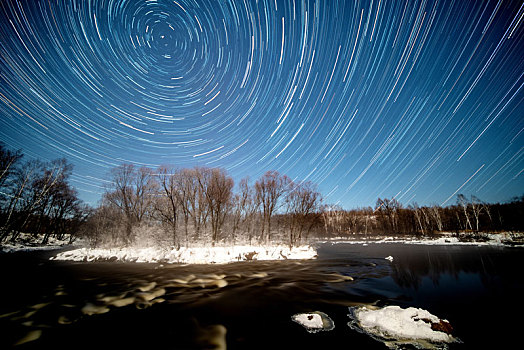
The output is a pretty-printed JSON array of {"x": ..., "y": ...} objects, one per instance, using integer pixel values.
[{"x": 479, "y": 290}]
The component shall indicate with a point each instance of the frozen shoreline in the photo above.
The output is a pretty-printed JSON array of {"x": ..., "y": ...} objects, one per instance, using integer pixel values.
[
  {"x": 504, "y": 239},
  {"x": 192, "y": 255}
]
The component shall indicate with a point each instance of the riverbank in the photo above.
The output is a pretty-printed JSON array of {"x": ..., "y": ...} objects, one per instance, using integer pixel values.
[
  {"x": 26, "y": 242},
  {"x": 444, "y": 238},
  {"x": 189, "y": 255}
]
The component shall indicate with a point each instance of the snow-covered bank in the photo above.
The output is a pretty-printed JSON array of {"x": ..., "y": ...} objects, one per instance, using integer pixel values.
[
  {"x": 27, "y": 242},
  {"x": 193, "y": 255},
  {"x": 486, "y": 239}
]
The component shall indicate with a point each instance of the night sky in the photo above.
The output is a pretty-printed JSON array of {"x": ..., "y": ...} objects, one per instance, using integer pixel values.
[{"x": 418, "y": 100}]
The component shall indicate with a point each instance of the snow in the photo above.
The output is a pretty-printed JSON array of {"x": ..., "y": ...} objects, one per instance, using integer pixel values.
[
  {"x": 191, "y": 255},
  {"x": 30, "y": 242},
  {"x": 394, "y": 325},
  {"x": 444, "y": 238},
  {"x": 315, "y": 321}
]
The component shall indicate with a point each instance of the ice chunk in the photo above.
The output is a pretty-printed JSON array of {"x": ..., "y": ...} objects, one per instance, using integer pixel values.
[
  {"x": 315, "y": 321},
  {"x": 395, "y": 326}
]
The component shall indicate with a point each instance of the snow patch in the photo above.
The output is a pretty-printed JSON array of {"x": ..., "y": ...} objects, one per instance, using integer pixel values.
[
  {"x": 395, "y": 326},
  {"x": 193, "y": 255}
]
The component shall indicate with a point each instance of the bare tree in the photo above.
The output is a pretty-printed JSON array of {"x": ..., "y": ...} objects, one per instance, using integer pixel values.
[
  {"x": 243, "y": 208},
  {"x": 249, "y": 208},
  {"x": 435, "y": 215},
  {"x": 32, "y": 192},
  {"x": 22, "y": 181},
  {"x": 8, "y": 162},
  {"x": 487, "y": 210},
  {"x": 388, "y": 210},
  {"x": 216, "y": 187},
  {"x": 132, "y": 191},
  {"x": 185, "y": 190},
  {"x": 269, "y": 188},
  {"x": 198, "y": 206},
  {"x": 476, "y": 209},
  {"x": 462, "y": 201},
  {"x": 418, "y": 216},
  {"x": 333, "y": 218},
  {"x": 167, "y": 202},
  {"x": 302, "y": 202},
  {"x": 64, "y": 207}
]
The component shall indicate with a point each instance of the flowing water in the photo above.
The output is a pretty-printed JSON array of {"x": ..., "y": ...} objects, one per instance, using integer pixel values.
[{"x": 249, "y": 305}]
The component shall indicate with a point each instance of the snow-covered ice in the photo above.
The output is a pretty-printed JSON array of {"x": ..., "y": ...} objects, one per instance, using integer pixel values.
[
  {"x": 192, "y": 255},
  {"x": 315, "y": 321},
  {"x": 395, "y": 326}
]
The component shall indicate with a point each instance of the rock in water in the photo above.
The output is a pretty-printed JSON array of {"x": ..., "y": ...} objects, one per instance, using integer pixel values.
[{"x": 315, "y": 321}]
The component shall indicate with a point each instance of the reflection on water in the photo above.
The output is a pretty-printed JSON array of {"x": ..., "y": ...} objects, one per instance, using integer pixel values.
[{"x": 247, "y": 305}]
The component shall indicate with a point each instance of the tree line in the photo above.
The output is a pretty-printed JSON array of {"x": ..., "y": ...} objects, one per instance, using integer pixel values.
[
  {"x": 202, "y": 205},
  {"x": 183, "y": 206},
  {"x": 36, "y": 197},
  {"x": 468, "y": 215}
]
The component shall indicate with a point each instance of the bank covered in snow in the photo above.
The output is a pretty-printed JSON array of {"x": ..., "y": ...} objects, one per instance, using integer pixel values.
[
  {"x": 192, "y": 255},
  {"x": 26, "y": 242},
  {"x": 480, "y": 239}
]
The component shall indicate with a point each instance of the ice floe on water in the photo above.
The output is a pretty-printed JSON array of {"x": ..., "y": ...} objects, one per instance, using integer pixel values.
[
  {"x": 315, "y": 321},
  {"x": 397, "y": 327},
  {"x": 192, "y": 255}
]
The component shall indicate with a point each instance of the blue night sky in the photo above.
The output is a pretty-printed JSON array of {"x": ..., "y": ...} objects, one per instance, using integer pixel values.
[{"x": 416, "y": 100}]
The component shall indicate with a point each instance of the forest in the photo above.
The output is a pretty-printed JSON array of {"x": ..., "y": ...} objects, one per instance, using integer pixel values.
[{"x": 202, "y": 206}]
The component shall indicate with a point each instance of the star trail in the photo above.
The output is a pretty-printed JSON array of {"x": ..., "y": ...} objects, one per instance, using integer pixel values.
[{"x": 416, "y": 100}]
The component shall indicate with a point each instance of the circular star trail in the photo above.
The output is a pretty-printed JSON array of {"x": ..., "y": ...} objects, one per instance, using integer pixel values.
[{"x": 413, "y": 100}]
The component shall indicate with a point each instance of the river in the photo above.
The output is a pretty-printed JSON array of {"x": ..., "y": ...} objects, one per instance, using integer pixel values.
[{"x": 249, "y": 305}]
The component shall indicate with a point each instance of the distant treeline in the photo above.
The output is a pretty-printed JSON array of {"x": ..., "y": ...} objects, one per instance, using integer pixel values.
[
  {"x": 36, "y": 197},
  {"x": 469, "y": 215},
  {"x": 174, "y": 207}
]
